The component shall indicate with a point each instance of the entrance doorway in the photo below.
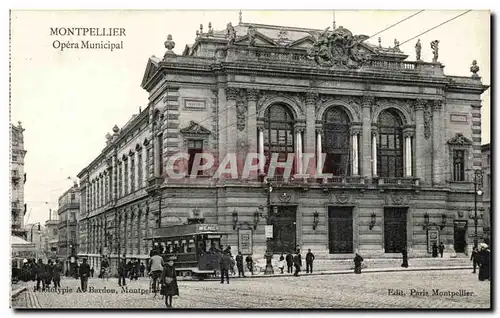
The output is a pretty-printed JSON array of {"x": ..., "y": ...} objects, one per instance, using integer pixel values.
[
  {"x": 284, "y": 230},
  {"x": 459, "y": 236},
  {"x": 340, "y": 232},
  {"x": 395, "y": 229}
]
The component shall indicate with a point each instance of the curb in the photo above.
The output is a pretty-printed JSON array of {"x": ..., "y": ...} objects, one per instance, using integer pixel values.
[
  {"x": 351, "y": 271},
  {"x": 16, "y": 292}
]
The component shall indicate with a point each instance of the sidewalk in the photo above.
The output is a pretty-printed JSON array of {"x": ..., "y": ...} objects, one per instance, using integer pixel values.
[{"x": 350, "y": 271}]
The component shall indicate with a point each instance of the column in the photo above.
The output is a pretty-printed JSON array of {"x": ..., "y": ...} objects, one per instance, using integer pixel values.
[
  {"x": 261, "y": 150},
  {"x": 439, "y": 162},
  {"x": 374, "y": 153},
  {"x": 319, "y": 151},
  {"x": 408, "y": 155},
  {"x": 355, "y": 152},
  {"x": 298, "y": 150},
  {"x": 366, "y": 138},
  {"x": 420, "y": 153},
  {"x": 252, "y": 136}
]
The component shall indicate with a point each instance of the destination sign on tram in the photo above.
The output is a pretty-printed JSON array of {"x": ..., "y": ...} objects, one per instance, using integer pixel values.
[{"x": 208, "y": 227}]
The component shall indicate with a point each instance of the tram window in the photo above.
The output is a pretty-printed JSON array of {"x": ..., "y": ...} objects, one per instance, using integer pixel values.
[{"x": 190, "y": 247}]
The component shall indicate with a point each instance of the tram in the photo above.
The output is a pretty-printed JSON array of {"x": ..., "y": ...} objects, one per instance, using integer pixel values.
[{"x": 195, "y": 248}]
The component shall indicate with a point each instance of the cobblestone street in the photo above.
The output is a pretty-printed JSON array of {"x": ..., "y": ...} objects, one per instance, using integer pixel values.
[{"x": 369, "y": 290}]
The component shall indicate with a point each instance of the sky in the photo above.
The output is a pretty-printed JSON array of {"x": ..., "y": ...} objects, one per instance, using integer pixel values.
[{"x": 68, "y": 100}]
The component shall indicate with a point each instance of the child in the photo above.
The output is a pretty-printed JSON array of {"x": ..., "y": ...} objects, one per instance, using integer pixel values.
[{"x": 281, "y": 264}]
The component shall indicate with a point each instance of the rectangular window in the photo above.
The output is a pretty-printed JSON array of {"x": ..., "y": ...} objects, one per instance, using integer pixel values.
[
  {"x": 194, "y": 147},
  {"x": 125, "y": 177},
  {"x": 72, "y": 217},
  {"x": 72, "y": 197},
  {"x": 14, "y": 158},
  {"x": 458, "y": 165},
  {"x": 139, "y": 170},
  {"x": 132, "y": 174}
]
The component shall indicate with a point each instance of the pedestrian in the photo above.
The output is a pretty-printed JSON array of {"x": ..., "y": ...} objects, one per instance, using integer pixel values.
[
  {"x": 434, "y": 250},
  {"x": 297, "y": 262},
  {"x": 48, "y": 276},
  {"x": 357, "y": 263},
  {"x": 474, "y": 257},
  {"x": 309, "y": 261},
  {"x": 405, "y": 258},
  {"x": 281, "y": 263},
  {"x": 289, "y": 263},
  {"x": 169, "y": 287},
  {"x": 142, "y": 269},
  {"x": 104, "y": 268},
  {"x": 441, "y": 249},
  {"x": 225, "y": 263},
  {"x": 484, "y": 262},
  {"x": 122, "y": 272},
  {"x": 239, "y": 265},
  {"x": 155, "y": 268},
  {"x": 40, "y": 274},
  {"x": 92, "y": 272},
  {"x": 232, "y": 264},
  {"x": 249, "y": 261},
  {"x": 84, "y": 275},
  {"x": 129, "y": 270},
  {"x": 56, "y": 274}
]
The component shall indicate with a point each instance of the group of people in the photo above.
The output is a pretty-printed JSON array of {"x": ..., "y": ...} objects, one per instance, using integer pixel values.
[
  {"x": 436, "y": 249},
  {"x": 295, "y": 261},
  {"x": 43, "y": 274}
]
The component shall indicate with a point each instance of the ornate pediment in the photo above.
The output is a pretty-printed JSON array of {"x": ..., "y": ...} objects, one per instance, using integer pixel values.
[
  {"x": 151, "y": 69},
  {"x": 255, "y": 38},
  {"x": 339, "y": 48},
  {"x": 195, "y": 129},
  {"x": 459, "y": 140}
]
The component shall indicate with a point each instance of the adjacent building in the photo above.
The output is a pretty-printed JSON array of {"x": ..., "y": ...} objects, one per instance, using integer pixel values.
[
  {"x": 486, "y": 184},
  {"x": 68, "y": 215},
  {"x": 401, "y": 140},
  {"x": 52, "y": 236},
  {"x": 18, "y": 179},
  {"x": 36, "y": 235}
]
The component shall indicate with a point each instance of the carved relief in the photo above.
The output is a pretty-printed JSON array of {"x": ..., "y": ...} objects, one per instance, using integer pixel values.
[
  {"x": 404, "y": 105},
  {"x": 231, "y": 93},
  {"x": 241, "y": 111},
  {"x": 339, "y": 48},
  {"x": 427, "y": 121},
  {"x": 396, "y": 199},
  {"x": 285, "y": 198},
  {"x": 342, "y": 198},
  {"x": 460, "y": 140}
]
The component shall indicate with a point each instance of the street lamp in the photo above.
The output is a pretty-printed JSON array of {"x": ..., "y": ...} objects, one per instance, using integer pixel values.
[{"x": 478, "y": 179}]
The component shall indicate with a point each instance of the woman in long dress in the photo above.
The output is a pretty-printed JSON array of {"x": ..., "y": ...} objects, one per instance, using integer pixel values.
[{"x": 169, "y": 282}]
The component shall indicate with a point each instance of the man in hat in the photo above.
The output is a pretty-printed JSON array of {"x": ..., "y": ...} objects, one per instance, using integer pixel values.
[
  {"x": 155, "y": 268},
  {"x": 484, "y": 262},
  {"x": 225, "y": 264},
  {"x": 84, "y": 275}
]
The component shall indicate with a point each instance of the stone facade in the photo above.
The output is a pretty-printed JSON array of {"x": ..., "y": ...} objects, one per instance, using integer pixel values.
[
  {"x": 51, "y": 237},
  {"x": 18, "y": 179},
  {"x": 220, "y": 92},
  {"x": 68, "y": 231},
  {"x": 486, "y": 152}
]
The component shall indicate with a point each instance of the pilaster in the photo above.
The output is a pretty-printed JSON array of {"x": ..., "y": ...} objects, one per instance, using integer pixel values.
[{"x": 366, "y": 137}]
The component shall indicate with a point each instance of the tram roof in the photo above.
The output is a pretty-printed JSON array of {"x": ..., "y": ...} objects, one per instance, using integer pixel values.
[{"x": 185, "y": 230}]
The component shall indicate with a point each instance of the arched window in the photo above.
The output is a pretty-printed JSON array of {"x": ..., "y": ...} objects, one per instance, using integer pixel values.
[
  {"x": 278, "y": 134},
  {"x": 390, "y": 145},
  {"x": 336, "y": 125}
]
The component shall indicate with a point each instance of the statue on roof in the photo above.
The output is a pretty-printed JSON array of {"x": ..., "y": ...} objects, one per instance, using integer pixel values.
[
  {"x": 435, "y": 50},
  {"x": 231, "y": 34},
  {"x": 339, "y": 48},
  {"x": 418, "y": 50}
]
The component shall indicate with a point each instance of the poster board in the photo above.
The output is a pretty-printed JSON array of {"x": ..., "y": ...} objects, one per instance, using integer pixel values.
[{"x": 245, "y": 241}]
